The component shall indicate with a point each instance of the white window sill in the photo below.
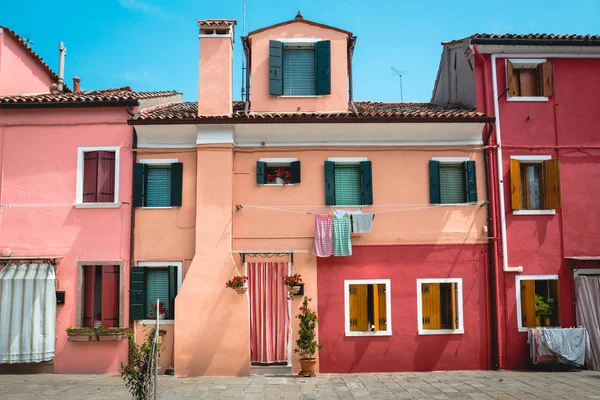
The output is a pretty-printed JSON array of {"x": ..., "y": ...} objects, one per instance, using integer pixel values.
[
  {"x": 278, "y": 184},
  {"x": 352, "y": 206},
  {"x": 441, "y": 331},
  {"x": 301, "y": 97},
  {"x": 534, "y": 212},
  {"x": 153, "y": 321},
  {"x": 156, "y": 208},
  {"x": 456, "y": 204},
  {"x": 377, "y": 333},
  {"x": 96, "y": 205},
  {"x": 527, "y": 98}
]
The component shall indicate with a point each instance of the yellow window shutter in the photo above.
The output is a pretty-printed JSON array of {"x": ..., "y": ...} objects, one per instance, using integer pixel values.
[
  {"x": 545, "y": 72},
  {"x": 382, "y": 309},
  {"x": 454, "y": 305},
  {"x": 515, "y": 184},
  {"x": 353, "y": 309},
  {"x": 528, "y": 303},
  {"x": 361, "y": 306},
  {"x": 376, "y": 306},
  {"x": 430, "y": 305},
  {"x": 513, "y": 84},
  {"x": 552, "y": 184}
]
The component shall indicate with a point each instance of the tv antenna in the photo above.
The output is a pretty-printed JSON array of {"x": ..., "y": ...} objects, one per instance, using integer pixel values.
[
  {"x": 400, "y": 75},
  {"x": 243, "y": 90}
]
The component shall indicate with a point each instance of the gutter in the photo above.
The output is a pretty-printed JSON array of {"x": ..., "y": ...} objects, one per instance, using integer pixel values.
[
  {"x": 74, "y": 104},
  {"x": 351, "y": 45},
  {"x": 536, "y": 42}
]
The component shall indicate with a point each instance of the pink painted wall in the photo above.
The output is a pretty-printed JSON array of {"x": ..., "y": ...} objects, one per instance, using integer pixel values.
[
  {"x": 259, "y": 47},
  {"x": 540, "y": 243},
  {"x": 405, "y": 350},
  {"x": 40, "y": 169},
  {"x": 215, "y": 79},
  {"x": 19, "y": 72}
]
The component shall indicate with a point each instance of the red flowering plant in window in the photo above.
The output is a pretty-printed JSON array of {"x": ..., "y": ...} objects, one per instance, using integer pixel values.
[
  {"x": 282, "y": 173},
  {"x": 161, "y": 309},
  {"x": 293, "y": 283},
  {"x": 236, "y": 282}
]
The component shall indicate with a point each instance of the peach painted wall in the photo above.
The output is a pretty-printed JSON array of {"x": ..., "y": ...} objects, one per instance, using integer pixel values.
[
  {"x": 259, "y": 47},
  {"x": 166, "y": 349},
  {"x": 40, "y": 169},
  {"x": 212, "y": 324},
  {"x": 215, "y": 79},
  {"x": 19, "y": 72}
]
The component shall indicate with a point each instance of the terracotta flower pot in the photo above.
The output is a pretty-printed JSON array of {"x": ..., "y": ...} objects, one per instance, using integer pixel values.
[
  {"x": 79, "y": 337},
  {"x": 296, "y": 289},
  {"x": 241, "y": 289},
  {"x": 309, "y": 366},
  {"x": 538, "y": 321},
  {"x": 114, "y": 337},
  {"x": 547, "y": 322}
]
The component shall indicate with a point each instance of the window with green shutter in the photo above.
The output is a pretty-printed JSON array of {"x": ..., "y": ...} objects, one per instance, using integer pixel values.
[
  {"x": 150, "y": 283},
  {"x": 299, "y": 72},
  {"x": 452, "y": 184},
  {"x": 348, "y": 188},
  {"x": 158, "y": 186}
]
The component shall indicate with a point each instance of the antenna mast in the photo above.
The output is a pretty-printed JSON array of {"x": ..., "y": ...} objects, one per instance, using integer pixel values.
[
  {"x": 244, "y": 58},
  {"x": 400, "y": 75}
]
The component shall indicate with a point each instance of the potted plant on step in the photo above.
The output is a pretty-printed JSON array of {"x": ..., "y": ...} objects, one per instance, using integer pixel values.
[
  {"x": 80, "y": 334},
  {"x": 238, "y": 283},
  {"x": 306, "y": 344},
  {"x": 293, "y": 282}
]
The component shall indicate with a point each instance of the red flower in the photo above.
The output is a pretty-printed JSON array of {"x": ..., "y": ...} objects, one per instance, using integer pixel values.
[{"x": 310, "y": 299}]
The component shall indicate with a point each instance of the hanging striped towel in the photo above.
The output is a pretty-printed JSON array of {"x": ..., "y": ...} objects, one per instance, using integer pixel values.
[
  {"x": 323, "y": 245},
  {"x": 342, "y": 245}
]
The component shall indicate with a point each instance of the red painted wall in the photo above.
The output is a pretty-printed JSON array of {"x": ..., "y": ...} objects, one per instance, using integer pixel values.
[{"x": 405, "y": 350}]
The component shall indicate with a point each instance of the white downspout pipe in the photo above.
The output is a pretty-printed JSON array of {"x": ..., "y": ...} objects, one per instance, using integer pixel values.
[
  {"x": 505, "y": 266},
  {"x": 62, "y": 53}
]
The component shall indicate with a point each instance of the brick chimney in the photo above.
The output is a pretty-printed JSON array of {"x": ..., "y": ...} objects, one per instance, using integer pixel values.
[
  {"x": 76, "y": 85},
  {"x": 215, "y": 84}
]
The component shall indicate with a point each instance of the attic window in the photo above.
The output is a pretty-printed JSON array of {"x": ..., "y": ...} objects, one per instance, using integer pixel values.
[{"x": 529, "y": 79}]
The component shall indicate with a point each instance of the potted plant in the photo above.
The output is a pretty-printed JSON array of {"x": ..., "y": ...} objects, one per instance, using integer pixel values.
[
  {"x": 110, "y": 334},
  {"x": 306, "y": 344},
  {"x": 80, "y": 334},
  {"x": 544, "y": 308},
  {"x": 280, "y": 176},
  {"x": 293, "y": 282},
  {"x": 238, "y": 283},
  {"x": 161, "y": 310},
  {"x": 549, "y": 312}
]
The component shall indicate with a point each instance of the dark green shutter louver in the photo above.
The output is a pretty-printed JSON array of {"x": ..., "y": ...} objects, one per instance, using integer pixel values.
[
  {"x": 137, "y": 293},
  {"x": 172, "y": 291},
  {"x": 295, "y": 170},
  {"x": 139, "y": 172},
  {"x": 157, "y": 186},
  {"x": 323, "y": 52},
  {"x": 261, "y": 172},
  {"x": 275, "y": 67},
  {"x": 367, "y": 182},
  {"x": 329, "y": 183},
  {"x": 434, "y": 182},
  {"x": 299, "y": 66},
  {"x": 176, "y": 184},
  {"x": 452, "y": 184},
  {"x": 470, "y": 182},
  {"x": 348, "y": 185}
]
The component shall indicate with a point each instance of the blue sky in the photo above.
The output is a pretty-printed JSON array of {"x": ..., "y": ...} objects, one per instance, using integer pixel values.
[{"x": 153, "y": 45}]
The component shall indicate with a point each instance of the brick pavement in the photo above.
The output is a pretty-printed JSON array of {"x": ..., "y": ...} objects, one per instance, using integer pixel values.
[{"x": 414, "y": 385}]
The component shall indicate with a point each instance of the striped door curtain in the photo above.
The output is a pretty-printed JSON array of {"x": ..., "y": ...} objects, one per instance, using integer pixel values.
[
  {"x": 269, "y": 314},
  {"x": 27, "y": 313}
]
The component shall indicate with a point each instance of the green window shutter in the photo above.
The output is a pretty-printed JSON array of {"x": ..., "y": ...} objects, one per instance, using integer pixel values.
[
  {"x": 348, "y": 186},
  {"x": 367, "y": 182},
  {"x": 295, "y": 170},
  {"x": 139, "y": 171},
  {"x": 452, "y": 184},
  {"x": 172, "y": 291},
  {"x": 323, "y": 52},
  {"x": 275, "y": 67},
  {"x": 329, "y": 183},
  {"x": 470, "y": 181},
  {"x": 434, "y": 182},
  {"x": 137, "y": 293},
  {"x": 261, "y": 172},
  {"x": 157, "y": 287},
  {"x": 158, "y": 187},
  {"x": 176, "y": 184},
  {"x": 299, "y": 72}
]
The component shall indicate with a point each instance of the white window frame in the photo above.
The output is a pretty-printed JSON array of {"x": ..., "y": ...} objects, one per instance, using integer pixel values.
[
  {"x": 451, "y": 161},
  {"x": 158, "y": 162},
  {"x": 536, "y": 159},
  {"x": 518, "y": 280},
  {"x": 278, "y": 162},
  {"x": 523, "y": 63},
  {"x": 163, "y": 264},
  {"x": 459, "y": 307},
  {"x": 80, "y": 173},
  {"x": 347, "y": 161},
  {"x": 388, "y": 306}
]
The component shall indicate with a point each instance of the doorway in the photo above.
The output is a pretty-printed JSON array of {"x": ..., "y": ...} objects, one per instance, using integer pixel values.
[{"x": 587, "y": 310}]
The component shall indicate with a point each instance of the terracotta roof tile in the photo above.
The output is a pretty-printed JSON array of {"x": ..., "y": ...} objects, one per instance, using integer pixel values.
[
  {"x": 216, "y": 22},
  {"x": 538, "y": 36},
  {"x": 33, "y": 54},
  {"x": 123, "y": 94},
  {"x": 365, "y": 109}
]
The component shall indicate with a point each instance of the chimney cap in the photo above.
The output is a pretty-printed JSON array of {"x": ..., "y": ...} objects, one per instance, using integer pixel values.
[{"x": 203, "y": 23}]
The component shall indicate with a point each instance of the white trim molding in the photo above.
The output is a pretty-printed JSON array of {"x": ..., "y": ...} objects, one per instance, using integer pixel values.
[
  {"x": 347, "y": 160},
  {"x": 163, "y": 264},
  {"x": 459, "y": 305},
  {"x": 534, "y": 212},
  {"x": 388, "y": 305},
  {"x": 159, "y": 161},
  {"x": 518, "y": 279},
  {"x": 299, "y": 40},
  {"x": 278, "y": 162},
  {"x": 532, "y": 159},
  {"x": 450, "y": 160},
  {"x": 80, "y": 173}
]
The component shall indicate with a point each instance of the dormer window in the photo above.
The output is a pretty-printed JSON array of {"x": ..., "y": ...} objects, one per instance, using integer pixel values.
[{"x": 299, "y": 67}]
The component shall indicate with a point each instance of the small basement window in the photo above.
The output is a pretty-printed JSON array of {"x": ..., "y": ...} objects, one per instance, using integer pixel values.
[
  {"x": 529, "y": 78},
  {"x": 277, "y": 171}
]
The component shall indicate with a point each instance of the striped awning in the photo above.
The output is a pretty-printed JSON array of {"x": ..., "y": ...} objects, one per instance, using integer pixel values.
[{"x": 27, "y": 313}]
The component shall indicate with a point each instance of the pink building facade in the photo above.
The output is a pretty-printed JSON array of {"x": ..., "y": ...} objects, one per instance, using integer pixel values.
[{"x": 543, "y": 172}]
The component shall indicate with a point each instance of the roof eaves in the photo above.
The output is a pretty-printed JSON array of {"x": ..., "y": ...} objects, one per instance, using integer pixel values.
[
  {"x": 72, "y": 104},
  {"x": 301, "y": 20}
]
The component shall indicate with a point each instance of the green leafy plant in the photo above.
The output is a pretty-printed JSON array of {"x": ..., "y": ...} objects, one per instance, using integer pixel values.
[
  {"x": 110, "y": 331},
  {"x": 80, "y": 331},
  {"x": 307, "y": 345},
  {"x": 291, "y": 281},
  {"x": 544, "y": 307},
  {"x": 138, "y": 375},
  {"x": 237, "y": 281}
]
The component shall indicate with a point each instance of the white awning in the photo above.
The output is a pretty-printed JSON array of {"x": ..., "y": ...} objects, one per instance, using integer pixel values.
[{"x": 27, "y": 313}]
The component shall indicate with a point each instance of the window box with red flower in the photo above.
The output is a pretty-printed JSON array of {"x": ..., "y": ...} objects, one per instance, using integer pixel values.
[
  {"x": 278, "y": 171},
  {"x": 238, "y": 283},
  {"x": 294, "y": 284}
]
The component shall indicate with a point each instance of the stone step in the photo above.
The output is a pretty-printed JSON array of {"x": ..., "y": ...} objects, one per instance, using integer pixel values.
[{"x": 271, "y": 370}]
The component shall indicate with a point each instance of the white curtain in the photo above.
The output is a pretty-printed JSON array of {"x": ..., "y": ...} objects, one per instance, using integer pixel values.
[
  {"x": 587, "y": 296},
  {"x": 27, "y": 313}
]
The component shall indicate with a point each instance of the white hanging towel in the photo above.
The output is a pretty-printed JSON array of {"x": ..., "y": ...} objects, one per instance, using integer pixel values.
[{"x": 362, "y": 223}]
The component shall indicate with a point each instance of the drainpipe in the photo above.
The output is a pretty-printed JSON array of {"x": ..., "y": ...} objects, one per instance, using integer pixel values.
[
  {"x": 351, "y": 44},
  {"x": 62, "y": 53}
]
